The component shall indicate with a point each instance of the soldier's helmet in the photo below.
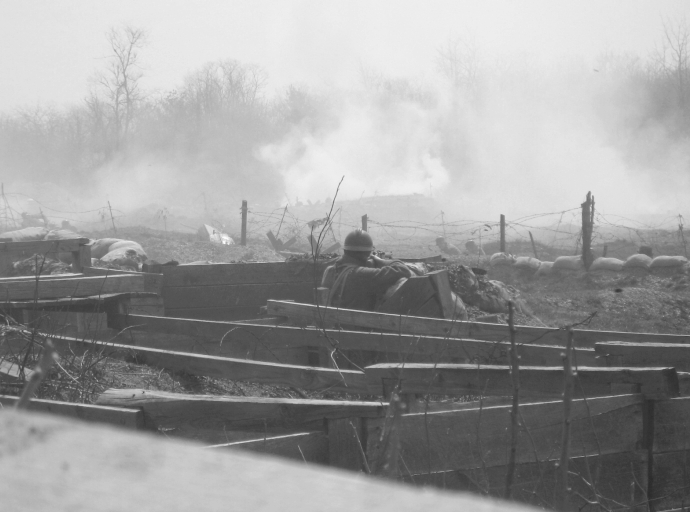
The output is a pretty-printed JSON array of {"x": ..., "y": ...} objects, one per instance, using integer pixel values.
[
  {"x": 359, "y": 241},
  {"x": 440, "y": 240}
]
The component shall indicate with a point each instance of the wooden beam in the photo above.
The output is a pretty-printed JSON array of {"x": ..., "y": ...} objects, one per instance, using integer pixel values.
[
  {"x": 219, "y": 313},
  {"x": 206, "y": 417},
  {"x": 96, "y": 271},
  {"x": 303, "y": 446},
  {"x": 127, "y": 418},
  {"x": 493, "y": 380},
  {"x": 441, "y": 284},
  {"x": 619, "y": 353},
  {"x": 306, "y": 314},
  {"x": 43, "y": 246},
  {"x": 303, "y": 377},
  {"x": 243, "y": 273},
  {"x": 79, "y": 287},
  {"x": 476, "y": 438},
  {"x": 241, "y": 338},
  {"x": 226, "y": 295},
  {"x": 671, "y": 420},
  {"x": 84, "y": 467}
]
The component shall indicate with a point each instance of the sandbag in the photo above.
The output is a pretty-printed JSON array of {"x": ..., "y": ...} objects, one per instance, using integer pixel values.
[
  {"x": 500, "y": 259},
  {"x": 26, "y": 234},
  {"x": 638, "y": 261},
  {"x": 527, "y": 263},
  {"x": 568, "y": 263},
  {"x": 100, "y": 247},
  {"x": 613, "y": 264},
  {"x": 668, "y": 262},
  {"x": 129, "y": 244},
  {"x": 544, "y": 269},
  {"x": 124, "y": 257}
]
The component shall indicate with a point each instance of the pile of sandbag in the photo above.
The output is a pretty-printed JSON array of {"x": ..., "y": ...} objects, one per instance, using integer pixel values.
[
  {"x": 118, "y": 252},
  {"x": 488, "y": 295}
]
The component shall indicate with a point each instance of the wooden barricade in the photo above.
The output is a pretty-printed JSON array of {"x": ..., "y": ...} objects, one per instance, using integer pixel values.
[
  {"x": 307, "y": 314},
  {"x": 76, "y": 249},
  {"x": 293, "y": 344},
  {"x": 234, "y": 291}
]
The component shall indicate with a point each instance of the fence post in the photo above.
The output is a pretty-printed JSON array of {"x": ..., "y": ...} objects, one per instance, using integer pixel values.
[
  {"x": 364, "y": 222},
  {"x": 503, "y": 233},
  {"x": 534, "y": 247},
  {"x": 244, "y": 223},
  {"x": 587, "y": 228}
]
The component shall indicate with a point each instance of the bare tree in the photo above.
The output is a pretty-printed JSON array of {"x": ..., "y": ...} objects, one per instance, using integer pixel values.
[
  {"x": 120, "y": 81},
  {"x": 671, "y": 58},
  {"x": 459, "y": 62}
]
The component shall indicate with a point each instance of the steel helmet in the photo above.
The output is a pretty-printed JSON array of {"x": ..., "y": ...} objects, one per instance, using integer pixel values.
[
  {"x": 359, "y": 241},
  {"x": 440, "y": 240}
]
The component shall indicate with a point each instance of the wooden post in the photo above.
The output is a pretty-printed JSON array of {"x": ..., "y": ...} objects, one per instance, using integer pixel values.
[
  {"x": 503, "y": 233},
  {"x": 364, "y": 222},
  {"x": 568, "y": 387},
  {"x": 111, "y": 218},
  {"x": 587, "y": 228},
  {"x": 515, "y": 378},
  {"x": 534, "y": 247},
  {"x": 244, "y": 223}
]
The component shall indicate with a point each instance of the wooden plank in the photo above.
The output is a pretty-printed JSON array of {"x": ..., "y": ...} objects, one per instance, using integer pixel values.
[
  {"x": 42, "y": 277},
  {"x": 303, "y": 377},
  {"x": 306, "y": 314},
  {"x": 84, "y": 467},
  {"x": 428, "y": 259},
  {"x": 441, "y": 284},
  {"x": 79, "y": 287},
  {"x": 205, "y": 417},
  {"x": 303, "y": 446},
  {"x": 671, "y": 421},
  {"x": 190, "y": 297},
  {"x": 670, "y": 489},
  {"x": 494, "y": 380},
  {"x": 9, "y": 372},
  {"x": 408, "y": 298},
  {"x": 127, "y": 418},
  {"x": 619, "y": 353},
  {"x": 243, "y": 273},
  {"x": 96, "y": 271},
  {"x": 227, "y": 314},
  {"x": 43, "y": 246},
  {"x": 476, "y": 438},
  {"x": 277, "y": 244},
  {"x": 619, "y": 482},
  {"x": 240, "y": 337}
]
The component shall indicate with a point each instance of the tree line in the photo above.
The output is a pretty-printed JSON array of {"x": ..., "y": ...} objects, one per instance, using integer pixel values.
[{"x": 221, "y": 113}]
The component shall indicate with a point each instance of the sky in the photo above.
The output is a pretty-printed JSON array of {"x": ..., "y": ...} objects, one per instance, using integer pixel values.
[{"x": 52, "y": 48}]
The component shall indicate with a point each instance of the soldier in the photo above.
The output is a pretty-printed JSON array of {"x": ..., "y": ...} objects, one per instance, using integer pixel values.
[{"x": 358, "y": 279}]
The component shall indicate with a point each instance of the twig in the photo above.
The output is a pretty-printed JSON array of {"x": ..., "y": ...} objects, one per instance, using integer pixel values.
[
  {"x": 562, "y": 489},
  {"x": 40, "y": 371},
  {"x": 515, "y": 377}
]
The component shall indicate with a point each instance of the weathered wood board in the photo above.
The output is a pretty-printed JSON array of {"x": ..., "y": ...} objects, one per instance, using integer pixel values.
[
  {"x": 127, "y": 418},
  {"x": 620, "y": 353},
  {"x": 307, "y": 314},
  {"x": 476, "y": 438},
  {"x": 240, "y": 337},
  {"x": 79, "y": 287},
  {"x": 302, "y": 446},
  {"x": 210, "y": 418},
  {"x": 488, "y": 380}
]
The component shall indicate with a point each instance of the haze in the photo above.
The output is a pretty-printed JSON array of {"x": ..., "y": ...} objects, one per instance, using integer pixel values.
[{"x": 558, "y": 103}]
